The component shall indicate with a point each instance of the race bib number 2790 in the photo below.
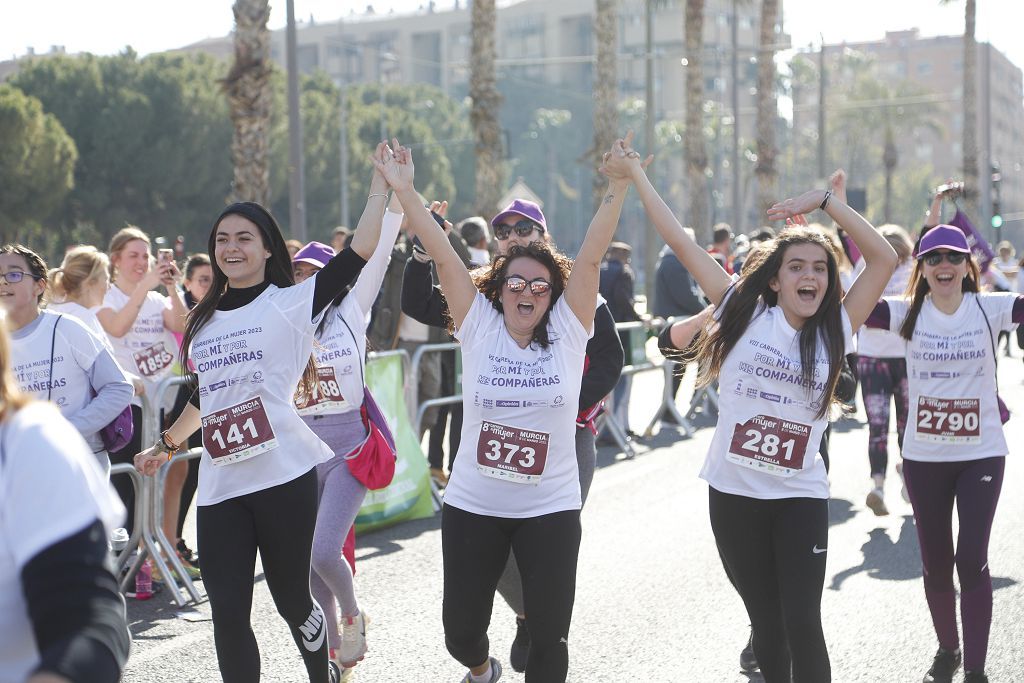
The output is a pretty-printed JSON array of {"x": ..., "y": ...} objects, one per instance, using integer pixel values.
[{"x": 948, "y": 420}]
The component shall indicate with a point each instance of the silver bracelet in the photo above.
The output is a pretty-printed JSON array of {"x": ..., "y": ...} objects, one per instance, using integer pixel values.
[{"x": 378, "y": 194}]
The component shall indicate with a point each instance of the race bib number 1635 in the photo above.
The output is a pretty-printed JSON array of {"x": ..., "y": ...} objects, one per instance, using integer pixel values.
[{"x": 769, "y": 444}]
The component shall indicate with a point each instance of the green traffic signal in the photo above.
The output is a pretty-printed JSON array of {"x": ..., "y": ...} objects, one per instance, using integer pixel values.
[{"x": 997, "y": 221}]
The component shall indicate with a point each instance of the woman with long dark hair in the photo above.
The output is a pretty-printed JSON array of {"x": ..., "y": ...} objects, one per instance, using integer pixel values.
[
  {"x": 781, "y": 331},
  {"x": 251, "y": 340},
  {"x": 954, "y": 450}
]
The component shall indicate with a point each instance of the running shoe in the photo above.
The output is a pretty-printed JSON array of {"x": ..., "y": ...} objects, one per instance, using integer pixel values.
[
  {"x": 748, "y": 660},
  {"x": 876, "y": 501},
  {"x": 975, "y": 677},
  {"x": 903, "y": 491},
  {"x": 944, "y": 665},
  {"x": 334, "y": 671},
  {"x": 186, "y": 554},
  {"x": 495, "y": 673},
  {"x": 353, "y": 640},
  {"x": 520, "y": 652}
]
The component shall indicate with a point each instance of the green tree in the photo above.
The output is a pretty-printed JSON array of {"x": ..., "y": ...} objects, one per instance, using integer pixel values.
[{"x": 37, "y": 161}]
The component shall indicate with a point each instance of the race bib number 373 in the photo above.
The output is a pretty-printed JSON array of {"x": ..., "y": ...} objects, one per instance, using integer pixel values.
[
  {"x": 511, "y": 454},
  {"x": 238, "y": 433},
  {"x": 769, "y": 444},
  {"x": 948, "y": 420}
]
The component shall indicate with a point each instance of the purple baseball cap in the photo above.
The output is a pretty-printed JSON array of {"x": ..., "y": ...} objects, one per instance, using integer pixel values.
[
  {"x": 943, "y": 237},
  {"x": 524, "y": 208},
  {"x": 315, "y": 254}
]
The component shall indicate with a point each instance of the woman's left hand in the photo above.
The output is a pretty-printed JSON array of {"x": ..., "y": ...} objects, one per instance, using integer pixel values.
[
  {"x": 622, "y": 162},
  {"x": 148, "y": 461},
  {"x": 797, "y": 206},
  {"x": 396, "y": 166},
  {"x": 170, "y": 274}
]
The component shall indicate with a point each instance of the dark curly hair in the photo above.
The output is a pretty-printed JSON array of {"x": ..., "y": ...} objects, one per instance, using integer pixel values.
[{"x": 490, "y": 280}]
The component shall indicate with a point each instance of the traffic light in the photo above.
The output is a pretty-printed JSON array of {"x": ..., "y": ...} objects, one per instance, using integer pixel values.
[{"x": 997, "y": 213}]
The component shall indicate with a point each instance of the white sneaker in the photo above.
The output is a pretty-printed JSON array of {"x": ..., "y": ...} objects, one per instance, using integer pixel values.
[
  {"x": 495, "y": 672},
  {"x": 353, "y": 640},
  {"x": 876, "y": 501},
  {"x": 903, "y": 491}
]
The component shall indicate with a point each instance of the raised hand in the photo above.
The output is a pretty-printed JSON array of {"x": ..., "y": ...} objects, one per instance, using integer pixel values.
[
  {"x": 623, "y": 162},
  {"x": 837, "y": 182},
  {"x": 797, "y": 206},
  {"x": 396, "y": 166},
  {"x": 378, "y": 183}
]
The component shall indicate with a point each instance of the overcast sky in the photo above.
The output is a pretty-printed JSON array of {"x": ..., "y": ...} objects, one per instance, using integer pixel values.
[{"x": 107, "y": 26}]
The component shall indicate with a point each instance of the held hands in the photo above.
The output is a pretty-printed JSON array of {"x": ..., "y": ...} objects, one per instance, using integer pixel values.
[
  {"x": 837, "y": 181},
  {"x": 148, "y": 461},
  {"x": 396, "y": 166},
  {"x": 623, "y": 162},
  {"x": 378, "y": 183},
  {"x": 797, "y": 206},
  {"x": 441, "y": 209}
]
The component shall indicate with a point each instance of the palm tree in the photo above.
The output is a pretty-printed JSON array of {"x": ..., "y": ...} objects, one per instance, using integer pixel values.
[
  {"x": 248, "y": 89},
  {"x": 767, "y": 111},
  {"x": 696, "y": 154},
  {"x": 606, "y": 91},
  {"x": 483, "y": 115}
]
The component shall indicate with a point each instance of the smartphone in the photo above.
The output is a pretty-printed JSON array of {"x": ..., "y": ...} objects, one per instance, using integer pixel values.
[
  {"x": 165, "y": 255},
  {"x": 439, "y": 218}
]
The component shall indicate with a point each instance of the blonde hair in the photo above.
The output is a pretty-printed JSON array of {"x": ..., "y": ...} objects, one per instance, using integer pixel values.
[
  {"x": 11, "y": 398},
  {"x": 899, "y": 240},
  {"x": 81, "y": 265},
  {"x": 120, "y": 240}
]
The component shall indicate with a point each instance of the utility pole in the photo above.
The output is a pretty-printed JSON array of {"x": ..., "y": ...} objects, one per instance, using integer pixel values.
[
  {"x": 343, "y": 147},
  {"x": 734, "y": 161},
  {"x": 650, "y": 234},
  {"x": 296, "y": 178},
  {"x": 822, "y": 172}
]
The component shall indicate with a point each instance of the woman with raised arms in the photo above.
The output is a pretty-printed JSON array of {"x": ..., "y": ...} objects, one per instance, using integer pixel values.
[{"x": 780, "y": 332}]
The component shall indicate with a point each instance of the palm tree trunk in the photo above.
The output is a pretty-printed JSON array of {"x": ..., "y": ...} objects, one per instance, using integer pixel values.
[
  {"x": 696, "y": 154},
  {"x": 767, "y": 109},
  {"x": 248, "y": 89},
  {"x": 483, "y": 115},
  {"x": 606, "y": 118},
  {"x": 890, "y": 157},
  {"x": 970, "y": 139}
]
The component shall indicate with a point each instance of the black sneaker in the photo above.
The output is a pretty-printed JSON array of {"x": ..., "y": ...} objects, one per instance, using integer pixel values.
[
  {"x": 334, "y": 672},
  {"x": 520, "y": 652},
  {"x": 975, "y": 677},
  {"x": 748, "y": 660},
  {"x": 944, "y": 665},
  {"x": 187, "y": 554}
]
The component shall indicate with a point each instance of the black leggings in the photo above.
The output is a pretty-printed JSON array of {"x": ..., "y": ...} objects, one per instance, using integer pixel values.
[
  {"x": 279, "y": 522},
  {"x": 774, "y": 552},
  {"x": 475, "y": 549}
]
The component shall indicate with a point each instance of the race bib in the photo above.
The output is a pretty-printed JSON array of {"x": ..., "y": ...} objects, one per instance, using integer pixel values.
[
  {"x": 770, "y": 444},
  {"x": 948, "y": 420},
  {"x": 511, "y": 454},
  {"x": 326, "y": 395},
  {"x": 152, "y": 360},
  {"x": 238, "y": 433}
]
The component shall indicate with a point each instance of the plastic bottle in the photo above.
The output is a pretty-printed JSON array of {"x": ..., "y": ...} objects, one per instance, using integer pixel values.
[{"x": 144, "y": 581}]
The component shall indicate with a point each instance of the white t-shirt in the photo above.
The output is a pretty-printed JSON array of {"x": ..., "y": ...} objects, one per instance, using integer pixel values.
[
  {"x": 951, "y": 373},
  {"x": 148, "y": 349},
  {"x": 338, "y": 354},
  {"x": 74, "y": 350},
  {"x": 86, "y": 315},
  {"x": 249, "y": 362},
  {"x": 50, "y": 488},
  {"x": 883, "y": 343},
  {"x": 766, "y": 442},
  {"x": 517, "y": 457}
]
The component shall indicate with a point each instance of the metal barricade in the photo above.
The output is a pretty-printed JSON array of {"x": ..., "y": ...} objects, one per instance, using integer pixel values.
[
  {"x": 150, "y": 523},
  {"x": 668, "y": 401},
  {"x": 417, "y": 410},
  {"x": 141, "y": 504}
]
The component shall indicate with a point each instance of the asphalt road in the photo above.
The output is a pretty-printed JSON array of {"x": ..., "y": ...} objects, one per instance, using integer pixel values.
[{"x": 652, "y": 602}]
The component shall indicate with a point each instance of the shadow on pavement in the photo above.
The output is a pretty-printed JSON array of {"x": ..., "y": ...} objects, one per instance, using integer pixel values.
[
  {"x": 885, "y": 560},
  {"x": 386, "y": 541},
  {"x": 840, "y": 511}
]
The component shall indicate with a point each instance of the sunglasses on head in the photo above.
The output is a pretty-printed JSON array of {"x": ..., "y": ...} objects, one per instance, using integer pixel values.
[
  {"x": 934, "y": 258},
  {"x": 538, "y": 286},
  {"x": 16, "y": 276},
  {"x": 523, "y": 228}
]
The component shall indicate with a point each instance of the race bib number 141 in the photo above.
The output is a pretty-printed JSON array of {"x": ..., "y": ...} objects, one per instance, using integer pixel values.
[{"x": 238, "y": 433}]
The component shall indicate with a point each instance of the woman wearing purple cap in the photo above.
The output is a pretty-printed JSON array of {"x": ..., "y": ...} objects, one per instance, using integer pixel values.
[
  {"x": 953, "y": 449},
  {"x": 332, "y": 412}
]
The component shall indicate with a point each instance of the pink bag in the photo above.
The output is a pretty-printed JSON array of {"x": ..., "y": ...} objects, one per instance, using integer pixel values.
[{"x": 373, "y": 461}]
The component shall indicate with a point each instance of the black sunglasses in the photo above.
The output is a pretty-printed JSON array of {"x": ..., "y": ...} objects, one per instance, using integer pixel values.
[
  {"x": 934, "y": 258},
  {"x": 523, "y": 228},
  {"x": 16, "y": 276},
  {"x": 538, "y": 286}
]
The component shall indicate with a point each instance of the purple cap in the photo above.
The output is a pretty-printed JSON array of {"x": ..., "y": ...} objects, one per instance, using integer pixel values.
[
  {"x": 315, "y": 253},
  {"x": 524, "y": 208},
  {"x": 943, "y": 237}
]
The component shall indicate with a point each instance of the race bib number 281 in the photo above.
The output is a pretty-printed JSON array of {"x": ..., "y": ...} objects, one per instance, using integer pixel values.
[
  {"x": 769, "y": 444},
  {"x": 238, "y": 433}
]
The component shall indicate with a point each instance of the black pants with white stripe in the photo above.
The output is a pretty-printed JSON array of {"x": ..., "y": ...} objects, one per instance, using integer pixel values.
[
  {"x": 279, "y": 522},
  {"x": 774, "y": 552}
]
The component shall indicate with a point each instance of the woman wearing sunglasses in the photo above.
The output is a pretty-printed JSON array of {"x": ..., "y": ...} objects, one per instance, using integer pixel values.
[
  {"x": 523, "y": 323},
  {"x": 520, "y": 224},
  {"x": 953, "y": 449}
]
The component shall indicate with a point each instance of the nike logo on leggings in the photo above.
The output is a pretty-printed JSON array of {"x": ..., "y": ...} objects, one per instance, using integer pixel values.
[
  {"x": 818, "y": 551},
  {"x": 313, "y": 631}
]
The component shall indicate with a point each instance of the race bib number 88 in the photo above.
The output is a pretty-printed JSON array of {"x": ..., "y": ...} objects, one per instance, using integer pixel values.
[
  {"x": 326, "y": 395},
  {"x": 948, "y": 420},
  {"x": 238, "y": 433},
  {"x": 511, "y": 454},
  {"x": 770, "y": 444}
]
